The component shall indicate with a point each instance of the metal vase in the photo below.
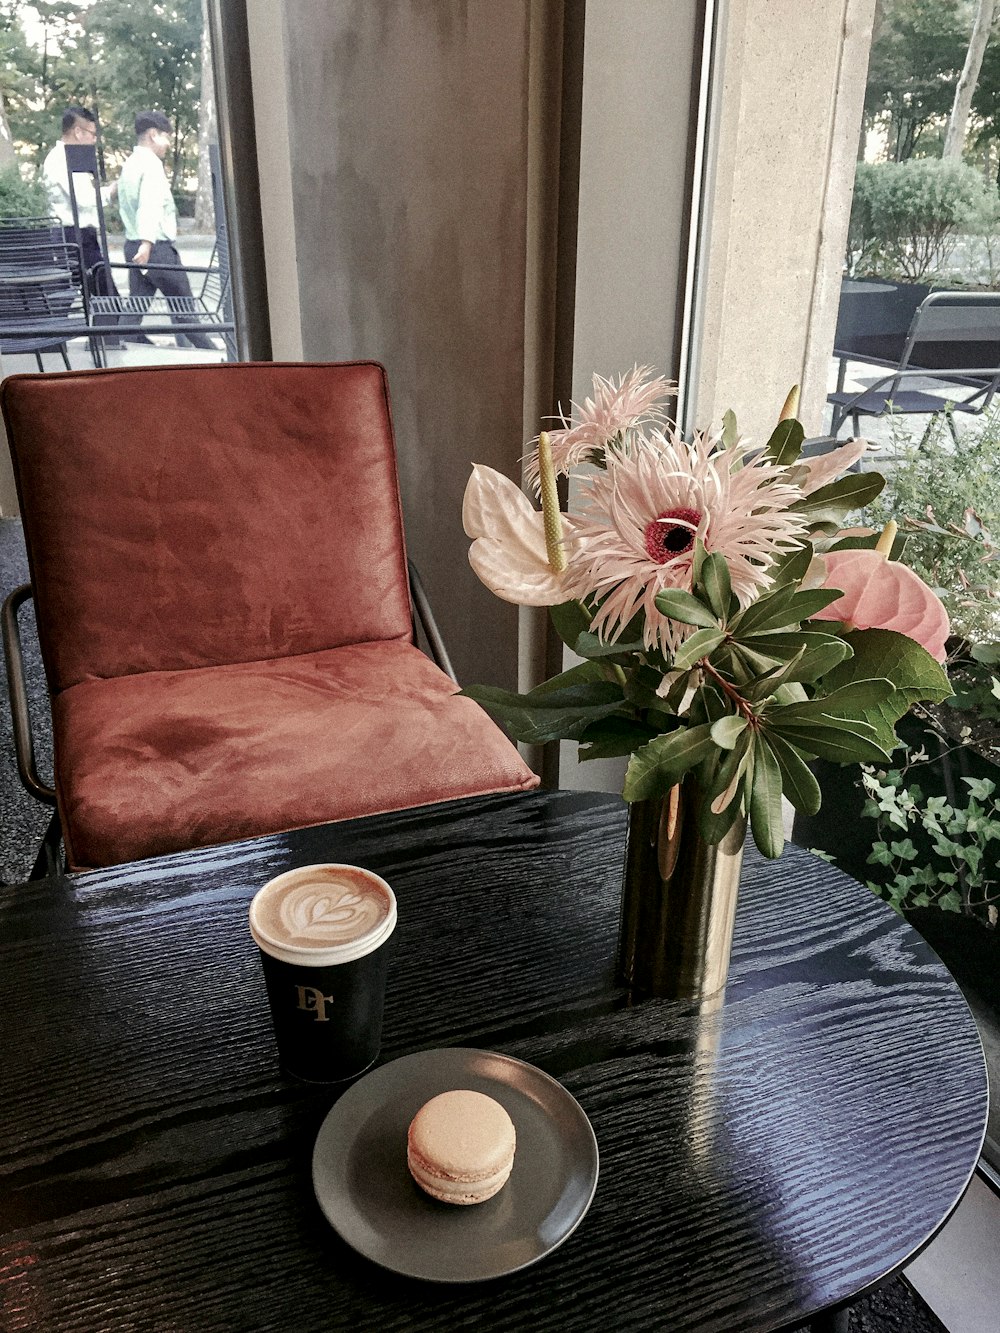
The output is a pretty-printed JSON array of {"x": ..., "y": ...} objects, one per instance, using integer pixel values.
[{"x": 678, "y": 900}]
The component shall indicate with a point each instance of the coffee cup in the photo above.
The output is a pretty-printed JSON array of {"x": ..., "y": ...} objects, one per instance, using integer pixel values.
[{"x": 323, "y": 932}]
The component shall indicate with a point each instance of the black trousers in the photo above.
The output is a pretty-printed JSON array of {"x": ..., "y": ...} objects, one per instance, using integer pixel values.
[
  {"x": 99, "y": 279},
  {"x": 171, "y": 280}
]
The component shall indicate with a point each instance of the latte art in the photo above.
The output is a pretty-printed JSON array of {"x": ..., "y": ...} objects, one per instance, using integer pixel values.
[
  {"x": 321, "y": 907},
  {"x": 329, "y": 913}
]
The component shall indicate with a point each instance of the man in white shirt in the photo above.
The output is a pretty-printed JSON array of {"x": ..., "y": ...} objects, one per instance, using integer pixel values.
[
  {"x": 149, "y": 217},
  {"x": 79, "y": 126}
]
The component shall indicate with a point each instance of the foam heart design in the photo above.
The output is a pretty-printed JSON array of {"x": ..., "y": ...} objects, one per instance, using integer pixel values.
[{"x": 332, "y": 914}]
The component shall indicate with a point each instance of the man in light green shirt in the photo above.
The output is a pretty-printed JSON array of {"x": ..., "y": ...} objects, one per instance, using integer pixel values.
[{"x": 149, "y": 216}]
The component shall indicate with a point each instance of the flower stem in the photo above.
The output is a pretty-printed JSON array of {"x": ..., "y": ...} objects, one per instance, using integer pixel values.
[{"x": 741, "y": 704}]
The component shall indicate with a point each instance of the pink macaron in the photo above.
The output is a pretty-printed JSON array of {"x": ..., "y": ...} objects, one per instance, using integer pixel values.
[{"x": 460, "y": 1147}]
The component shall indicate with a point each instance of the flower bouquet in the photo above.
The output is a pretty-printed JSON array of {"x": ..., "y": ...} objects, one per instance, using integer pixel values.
[{"x": 730, "y": 628}]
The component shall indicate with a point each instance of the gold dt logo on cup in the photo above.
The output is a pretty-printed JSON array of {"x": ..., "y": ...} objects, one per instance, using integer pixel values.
[{"x": 312, "y": 999}]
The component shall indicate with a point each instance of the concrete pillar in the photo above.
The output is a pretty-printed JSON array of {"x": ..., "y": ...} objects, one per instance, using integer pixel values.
[
  {"x": 407, "y": 152},
  {"x": 784, "y": 132}
]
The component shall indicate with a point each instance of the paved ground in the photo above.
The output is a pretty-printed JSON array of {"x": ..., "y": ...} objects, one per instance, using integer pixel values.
[{"x": 861, "y": 375}]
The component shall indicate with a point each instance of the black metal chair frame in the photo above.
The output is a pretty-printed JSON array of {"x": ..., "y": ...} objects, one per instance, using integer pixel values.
[
  {"x": 42, "y": 304},
  {"x": 928, "y": 325},
  {"x": 50, "y": 860}
]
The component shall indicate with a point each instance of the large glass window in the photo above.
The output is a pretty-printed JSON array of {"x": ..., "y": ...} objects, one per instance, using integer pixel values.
[
  {"x": 112, "y": 228},
  {"x": 916, "y": 370}
]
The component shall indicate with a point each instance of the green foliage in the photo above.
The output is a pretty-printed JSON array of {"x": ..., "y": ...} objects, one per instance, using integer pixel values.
[
  {"x": 918, "y": 48},
  {"x": 114, "y": 57},
  {"x": 906, "y": 215},
  {"x": 149, "y": 56},
  {"x": 20, "y": 198},
  {"x": 955, "y": 865},
  {"x": 946, "y": 498}
]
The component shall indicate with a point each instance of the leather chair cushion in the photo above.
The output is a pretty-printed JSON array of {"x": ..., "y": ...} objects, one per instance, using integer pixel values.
[
  {"x": 167, "y": 760},
  {"x": 193, "y": 516}
]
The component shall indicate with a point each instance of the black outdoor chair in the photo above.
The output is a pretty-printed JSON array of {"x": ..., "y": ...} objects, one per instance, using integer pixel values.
[
  {"x": 42, "y": 304},
  {"x": 954, "y": 339}
]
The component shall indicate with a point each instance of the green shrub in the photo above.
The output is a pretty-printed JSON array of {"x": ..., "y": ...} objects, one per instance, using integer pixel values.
[
  {"x": 906, "y": 216},
  {"x": 20, "y": 198},
  {"x": 953, "y": 862},
  {"x": 946, "y": 499}
]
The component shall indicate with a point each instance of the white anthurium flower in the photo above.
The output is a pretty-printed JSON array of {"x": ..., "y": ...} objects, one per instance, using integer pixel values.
[{"x": 508, "y": 546}]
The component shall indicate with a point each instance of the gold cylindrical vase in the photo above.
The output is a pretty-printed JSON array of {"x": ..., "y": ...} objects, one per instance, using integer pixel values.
[{"x": 678, "y": 899}]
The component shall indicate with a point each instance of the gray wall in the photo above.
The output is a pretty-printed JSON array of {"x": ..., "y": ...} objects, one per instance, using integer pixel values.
[{"x": 409, "y": 170}]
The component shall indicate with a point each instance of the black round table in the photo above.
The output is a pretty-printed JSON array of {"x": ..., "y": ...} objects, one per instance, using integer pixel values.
[{"x": 763, "y": 1159}]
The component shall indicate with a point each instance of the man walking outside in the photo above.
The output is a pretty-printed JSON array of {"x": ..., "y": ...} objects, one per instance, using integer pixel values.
[
  {"x": 149, "y": 216},
  {"x": 79, "y": 126}
]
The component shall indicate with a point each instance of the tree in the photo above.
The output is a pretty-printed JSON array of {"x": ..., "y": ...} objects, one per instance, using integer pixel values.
[
  {"x": 918, "y": 49},
  {"x": 954, "y": 139},
  {"x": 208, "y": 133}
]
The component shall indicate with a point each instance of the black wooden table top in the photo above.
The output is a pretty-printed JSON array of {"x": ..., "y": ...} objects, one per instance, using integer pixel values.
[{"x": 759, "y": 1162}]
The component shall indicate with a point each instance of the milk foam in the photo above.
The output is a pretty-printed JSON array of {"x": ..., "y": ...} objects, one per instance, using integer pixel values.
[{"x": 321, "y": 907}]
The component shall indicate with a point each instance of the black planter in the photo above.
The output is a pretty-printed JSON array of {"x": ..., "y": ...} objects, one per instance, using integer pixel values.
[{"x": 874, "y": 319}]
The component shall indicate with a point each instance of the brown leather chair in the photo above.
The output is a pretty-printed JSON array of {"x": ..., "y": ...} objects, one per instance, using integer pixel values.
[{"x": 220, "y": 582}]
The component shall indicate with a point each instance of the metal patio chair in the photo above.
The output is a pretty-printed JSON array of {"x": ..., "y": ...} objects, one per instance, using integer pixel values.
[{"x": 954, "y": 340}]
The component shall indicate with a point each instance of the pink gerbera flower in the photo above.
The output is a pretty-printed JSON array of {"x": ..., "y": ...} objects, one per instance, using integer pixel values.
[
  {"x": 636, "y": 529},
  {"x": 614, "y": 409}
]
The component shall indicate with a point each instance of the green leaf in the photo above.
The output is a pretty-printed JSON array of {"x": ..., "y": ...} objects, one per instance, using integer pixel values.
[
  {"x": 785, "y": 443},
  {"x": 849, "y": 701},
  {"x": 820, "y": 652},
  {"x": 570, "y": 619},
  {"x": 717, "y": 584},
  {"x": 553, "y": 714},
  {"x": 780, "y": 609},
  {"x": 663, "y": 761},
  {"x": 729, "y": 774},
  {"x": 701, "y": 644},
  {"x": 883, "y": 652},
  {"x": 682, "y": 606},
  {"x": 754, "y": 664},
  {"x": 839, "y": 741},
  {"x": 730, "y": 430},
  {"x": 869, "y": 542},
  {"x": 641, "y": 686},
  {"x": 792, "y": 567},
  {"x": 765, "y": 801},
  {"x": 590, "y": 646},
  {"x": 832, "y": 503},
  {"x": 583, "y": 673},
  {"x": 612, "y": 737},
  {"x": 727, "y": 731},
  {"x": 797, "y": 779}
]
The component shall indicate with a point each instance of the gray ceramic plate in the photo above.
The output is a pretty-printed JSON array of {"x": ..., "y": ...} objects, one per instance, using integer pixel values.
[{"x": 368, "y": 1196}]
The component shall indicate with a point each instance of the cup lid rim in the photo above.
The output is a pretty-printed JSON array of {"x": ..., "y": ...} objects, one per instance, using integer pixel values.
[{"x": 350, "y": 949}]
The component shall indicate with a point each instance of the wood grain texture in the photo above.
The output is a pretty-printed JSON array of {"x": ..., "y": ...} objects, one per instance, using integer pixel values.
[{"x": 761, "y": 1159}]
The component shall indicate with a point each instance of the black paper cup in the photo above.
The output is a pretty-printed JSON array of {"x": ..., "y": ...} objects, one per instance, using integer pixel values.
[{"x": 326, "y": 1000}]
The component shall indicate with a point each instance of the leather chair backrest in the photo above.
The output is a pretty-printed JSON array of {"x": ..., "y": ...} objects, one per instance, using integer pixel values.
[{"x": 194, "y": 516}]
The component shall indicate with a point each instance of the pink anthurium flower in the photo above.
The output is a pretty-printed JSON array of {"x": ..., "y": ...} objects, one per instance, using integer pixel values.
[
  {"x": 508, "y": 548},
  {"x": 883, "y": 594}
]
